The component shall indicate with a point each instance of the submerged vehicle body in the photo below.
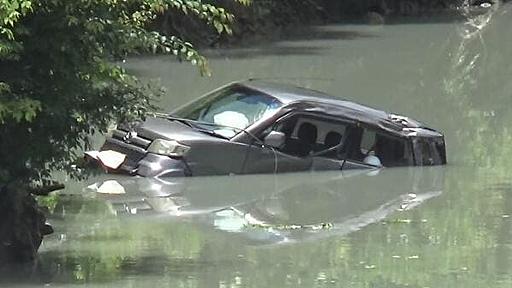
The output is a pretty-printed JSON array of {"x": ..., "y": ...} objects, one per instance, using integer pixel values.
[{"x": 263, "y": 127}]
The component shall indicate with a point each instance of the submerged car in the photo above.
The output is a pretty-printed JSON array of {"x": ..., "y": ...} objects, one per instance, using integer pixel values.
[{"x": 264, "y": 127}]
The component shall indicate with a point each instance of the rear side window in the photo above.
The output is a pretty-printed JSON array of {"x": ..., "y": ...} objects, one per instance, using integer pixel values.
[
  {"x": 426, "y": 156},
  {"x": 392, "y": 151},
  {"x": 361, "y": 143},
  {"x": 429, "y": 153}
]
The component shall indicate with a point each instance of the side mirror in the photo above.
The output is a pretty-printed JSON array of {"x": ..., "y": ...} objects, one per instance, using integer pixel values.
[{"x": 275, "y": 139}]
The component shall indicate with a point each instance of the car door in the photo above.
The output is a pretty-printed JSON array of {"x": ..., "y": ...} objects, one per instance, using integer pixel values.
[
  {"x": 263, "y": 158},
  {"x": 266, "y": 159}
]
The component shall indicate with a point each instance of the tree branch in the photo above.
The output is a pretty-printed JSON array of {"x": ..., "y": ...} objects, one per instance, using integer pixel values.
[{"x": 46, "y": 189}]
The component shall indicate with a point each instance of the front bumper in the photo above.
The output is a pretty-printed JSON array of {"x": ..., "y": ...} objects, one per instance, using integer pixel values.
[
  {"x": 153, "y": 165},
  {"x": 140, "y": 162}
]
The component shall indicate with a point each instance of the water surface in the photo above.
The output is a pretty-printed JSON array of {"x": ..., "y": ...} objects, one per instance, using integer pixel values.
[{"x": 403, "y": 227}]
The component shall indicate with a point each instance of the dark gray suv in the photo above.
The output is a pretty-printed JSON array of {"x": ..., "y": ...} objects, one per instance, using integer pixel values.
[{"x": 263, "y": 127}]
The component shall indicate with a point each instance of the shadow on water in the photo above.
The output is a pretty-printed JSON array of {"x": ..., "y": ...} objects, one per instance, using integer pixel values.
[
  {"x": 264, "y": 51},
  {"x": 277, "y": 48},
  {"x": 333, "y": 33},
  {"x": 326, "y": 33},
  {"x": 310, "y": 34}
]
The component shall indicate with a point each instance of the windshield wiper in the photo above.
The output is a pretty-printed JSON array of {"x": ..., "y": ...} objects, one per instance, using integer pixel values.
[
  {"x": 188, "y": 122},
  {"x": 194, "y": 124},
  {"x": 212, "y": 132},
  {"x": 184, "y": 121}
]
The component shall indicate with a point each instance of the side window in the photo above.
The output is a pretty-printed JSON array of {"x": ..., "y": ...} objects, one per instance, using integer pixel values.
[
  {"x": 376, "y": 148},
  {"x": 308, "y": 134},
  {"x": 426, "y": 157},
  {"x": 367, "y": 141},
  {"x": 391, "y": 150},
  {"x": 303, "y": 139},
  {"x": 306, "y": 128},
  {"x": 429, "y": 153},
  {"x": 285, "y": 125},
  {"x": 441, "y": 151}
]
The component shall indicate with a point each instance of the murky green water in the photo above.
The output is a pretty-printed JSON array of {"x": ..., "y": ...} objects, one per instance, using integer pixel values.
[{"x": 416, "y": 227}]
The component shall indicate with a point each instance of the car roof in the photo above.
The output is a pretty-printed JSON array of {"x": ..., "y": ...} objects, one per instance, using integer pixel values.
[
  {"x": 316, "y": 101},
  {"x": 291, "y": 94},
  {"x": 287, "y": 93}
]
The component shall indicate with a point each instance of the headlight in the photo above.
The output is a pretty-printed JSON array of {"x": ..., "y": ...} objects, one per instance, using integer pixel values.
[{"x": 168, "y": 148}]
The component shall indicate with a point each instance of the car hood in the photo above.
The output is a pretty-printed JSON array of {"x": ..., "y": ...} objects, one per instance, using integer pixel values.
[{"x": 160, "y": 128}]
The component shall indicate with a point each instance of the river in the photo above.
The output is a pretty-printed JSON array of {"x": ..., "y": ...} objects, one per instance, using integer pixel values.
[{"x": 402, "y": 227}]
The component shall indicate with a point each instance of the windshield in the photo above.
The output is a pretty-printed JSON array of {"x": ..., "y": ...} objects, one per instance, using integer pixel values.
[{"x": 236, "y": 107}]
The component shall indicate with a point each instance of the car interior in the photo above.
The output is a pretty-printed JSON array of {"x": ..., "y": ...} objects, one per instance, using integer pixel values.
[{"x": 321, "y": 137}]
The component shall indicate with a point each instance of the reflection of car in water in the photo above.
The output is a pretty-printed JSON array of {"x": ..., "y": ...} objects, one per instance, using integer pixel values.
[
  {"x": 274, "y": 209},
  {"x": 261, "y": 127}
]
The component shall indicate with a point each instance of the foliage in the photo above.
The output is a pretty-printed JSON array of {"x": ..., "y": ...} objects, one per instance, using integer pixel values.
[
  {"x": 59, "y": 81},
  {"x": 49, "y": 202},
  {"x": 263, "y": 18}
]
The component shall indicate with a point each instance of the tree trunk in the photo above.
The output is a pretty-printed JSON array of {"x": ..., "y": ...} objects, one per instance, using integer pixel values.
[{"x": 22, "y": 225}]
